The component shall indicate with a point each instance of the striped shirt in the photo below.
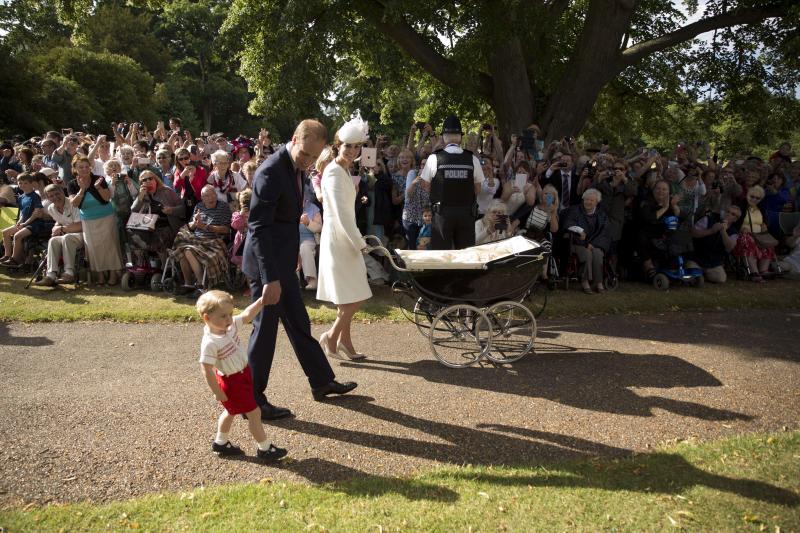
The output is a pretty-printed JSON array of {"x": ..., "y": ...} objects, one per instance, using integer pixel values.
[
  {"x": 224, "y": 352},
  {"x": 219, "y": 215}
]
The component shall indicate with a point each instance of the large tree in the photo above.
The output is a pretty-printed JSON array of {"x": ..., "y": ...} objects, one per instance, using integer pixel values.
[{"x": 544, "y": 61}]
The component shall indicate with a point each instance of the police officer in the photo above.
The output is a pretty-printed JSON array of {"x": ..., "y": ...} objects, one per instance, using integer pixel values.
[{"x": 454, "y": 178}]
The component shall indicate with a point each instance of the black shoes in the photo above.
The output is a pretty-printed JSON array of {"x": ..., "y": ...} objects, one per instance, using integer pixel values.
[
  {"x": 273, "y": 412},
  {"x": 334, "y": 387},
  {"x": 226, "y": 449},
  {"x": 273, "y": 453}
]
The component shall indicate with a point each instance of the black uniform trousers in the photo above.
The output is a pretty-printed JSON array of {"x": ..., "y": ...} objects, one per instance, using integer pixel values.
[
  {"x": 453, "y": 228},
  {"x": 292, "y": 313}
]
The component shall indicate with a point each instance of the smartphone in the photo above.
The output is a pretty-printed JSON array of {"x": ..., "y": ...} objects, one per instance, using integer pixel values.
[
  {"x": 420, "y": 126},
  {"x": 368, "y": 157},
  {"x": 144, "y": 161},
  {"x": 203, "y": 134},
  {"x": 548, "y": 199},
  {"x": 64, "y": 131},
  {"x": 502, "y": 223},
  {"x": 520, "y": 180},
  {"x": 652, "y": 152}
]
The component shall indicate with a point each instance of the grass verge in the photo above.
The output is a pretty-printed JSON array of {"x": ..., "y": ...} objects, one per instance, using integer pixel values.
[
  {"x": 749, "y": 483},
  {"x": 38, "y": 304}
]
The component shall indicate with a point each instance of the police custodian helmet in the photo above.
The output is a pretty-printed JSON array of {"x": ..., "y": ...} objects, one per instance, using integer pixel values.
[{"x": 452, "y": 125}]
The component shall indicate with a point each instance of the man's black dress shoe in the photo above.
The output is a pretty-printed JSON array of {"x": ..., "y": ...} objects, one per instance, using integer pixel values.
[
  {"x": 273, "y": 412},
  {"x": 334, "y": 387}
]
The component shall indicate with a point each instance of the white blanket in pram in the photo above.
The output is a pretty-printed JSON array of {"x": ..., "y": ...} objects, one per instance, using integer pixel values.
[{"x": 475, "y": 257}]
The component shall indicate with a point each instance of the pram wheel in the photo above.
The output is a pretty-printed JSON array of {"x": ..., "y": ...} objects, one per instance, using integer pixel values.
[
  {"x": 698, "y": 282},
  {"x": 460, "y": 336},
  {"x": 127, "y": 282},
  {"x": 661, "y": 281},
  {"x": 424, "y": 313},
  {"x": 155, "y": 282},
  {"x": 513, "y": 332}
]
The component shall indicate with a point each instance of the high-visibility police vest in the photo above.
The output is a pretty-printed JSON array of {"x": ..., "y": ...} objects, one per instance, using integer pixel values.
[{"x": 452, "y": 186}]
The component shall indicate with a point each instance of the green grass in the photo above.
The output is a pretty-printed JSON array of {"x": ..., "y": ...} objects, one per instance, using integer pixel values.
[
  {"x": 747, "y": 483},
  {"x": 38, "y": 304}
]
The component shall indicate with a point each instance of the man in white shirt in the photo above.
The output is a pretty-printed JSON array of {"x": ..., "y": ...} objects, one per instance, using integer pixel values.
[
  {"x": 454, "y": 177},
  {"x": 67, "y": 237}
]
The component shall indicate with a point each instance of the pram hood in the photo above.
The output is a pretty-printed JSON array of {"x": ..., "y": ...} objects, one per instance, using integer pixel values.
[{"x": 473, "y": 258}]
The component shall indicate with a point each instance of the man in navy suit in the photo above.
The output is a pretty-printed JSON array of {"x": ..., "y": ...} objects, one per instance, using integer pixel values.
[{"x": 269, "y": 262}]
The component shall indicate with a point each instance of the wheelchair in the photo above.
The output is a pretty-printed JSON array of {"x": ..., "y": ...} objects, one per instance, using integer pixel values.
[
  {"x": 671, "y": 266},
  {"x": 572, "y": 267},
  {"x": 144, "y": 266}
]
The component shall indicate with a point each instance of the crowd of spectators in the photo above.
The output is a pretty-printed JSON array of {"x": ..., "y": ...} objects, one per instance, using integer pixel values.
[{"x": 632, "y": 212}]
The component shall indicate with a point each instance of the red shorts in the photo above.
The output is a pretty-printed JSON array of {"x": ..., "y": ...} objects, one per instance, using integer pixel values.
[{"x": 239, "y": 390}]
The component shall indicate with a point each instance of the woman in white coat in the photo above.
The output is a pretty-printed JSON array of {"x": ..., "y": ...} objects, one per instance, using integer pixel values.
[{"x": 342, "y": 277}]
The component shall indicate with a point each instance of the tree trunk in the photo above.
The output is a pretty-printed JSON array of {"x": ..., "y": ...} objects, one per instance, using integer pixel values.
[
  {"x": 512, "y": 98},
  {"x": 595, "y": 62}
]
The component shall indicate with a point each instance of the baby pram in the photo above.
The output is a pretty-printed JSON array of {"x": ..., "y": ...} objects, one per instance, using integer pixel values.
[{"x": 468, "y": 303}]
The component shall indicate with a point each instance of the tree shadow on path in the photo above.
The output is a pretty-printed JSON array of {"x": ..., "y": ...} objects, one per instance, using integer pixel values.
[
  {"x": 7, "y": 340},
  {"x": 669, "y": 473},
  {"x": 596, "y": 381}
]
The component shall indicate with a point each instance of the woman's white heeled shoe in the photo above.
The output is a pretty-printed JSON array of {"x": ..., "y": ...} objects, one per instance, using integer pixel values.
[
  {"x": 352, "y": 356},
  {"x": 323, "y": 342}
]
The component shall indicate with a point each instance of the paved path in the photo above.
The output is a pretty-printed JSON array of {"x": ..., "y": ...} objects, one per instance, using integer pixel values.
[{"x": 108, "y": 411}]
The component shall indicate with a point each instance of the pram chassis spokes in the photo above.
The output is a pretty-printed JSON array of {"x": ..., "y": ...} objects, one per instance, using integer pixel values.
[{"x": 476, "y": 313}]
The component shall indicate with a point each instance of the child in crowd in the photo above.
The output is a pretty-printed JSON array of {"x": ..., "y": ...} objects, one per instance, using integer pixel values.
[
  {"x": 239, "y": 223},
  {"x": 424, "y": 237},
  {"x": 224, "y": 365},
  {"x": 29, "y": 223}
]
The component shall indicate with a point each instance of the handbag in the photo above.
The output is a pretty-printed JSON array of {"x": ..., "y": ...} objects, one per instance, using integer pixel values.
[
  {"x": 765, "y": 240},
  {"x": 142, "y": 221},
  {"x": 538, "y": 218}
]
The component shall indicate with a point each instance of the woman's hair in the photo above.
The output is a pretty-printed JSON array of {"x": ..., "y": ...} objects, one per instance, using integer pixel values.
[
  {"x": 524, "y": 165},
  {"x": 244, "y": 197},
  {"x": 758, "y": 189},
  {"x": 153, "y": 175},
  {"x": 126, "y": 149},
  {"x": 250, "y": 165},
  {"x": 218, "y": 156},
  {"x": 28, "y": 154},
  {"x": 326, "y": 156},
  {"x": 111, "y": 163},
  {"x": 552, "y": 190},
  {"x": 497, "y": 204},
  {"x": 592, "y": 192},
  {"x": 412, "y": 160},
  {"x": 213, "y": 300},
  {"x": 77, "y": 158},
  {"x": 53, "y": 188},
  {"x": 164, "y": 152}
]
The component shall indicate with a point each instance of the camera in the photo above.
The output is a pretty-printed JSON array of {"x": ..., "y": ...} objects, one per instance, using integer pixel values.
[
  {"x": 528, "y": 140},
  {"x": 486, "y": 127},
  {"x": 502, "y": 223},
  {"x": 420, "y": 126}
]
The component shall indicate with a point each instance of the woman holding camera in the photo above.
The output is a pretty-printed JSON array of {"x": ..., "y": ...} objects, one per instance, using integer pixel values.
[
  {"x": 494, "y": 226},
  {"x": 189, "y": 179}
]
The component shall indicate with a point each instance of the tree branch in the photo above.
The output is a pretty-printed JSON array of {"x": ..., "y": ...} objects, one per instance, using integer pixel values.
[
  {"x": 443, "y": 69},
  {"x": 732, "y": 18}
]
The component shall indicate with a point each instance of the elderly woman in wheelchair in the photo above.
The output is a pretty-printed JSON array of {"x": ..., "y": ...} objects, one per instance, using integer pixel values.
[
  {"x": 201, "y": 244},
  {"x": 590, "y": 236}
]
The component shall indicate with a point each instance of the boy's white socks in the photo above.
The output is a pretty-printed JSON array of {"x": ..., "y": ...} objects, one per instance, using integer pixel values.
[
  {"x": 222, "y": 438},
  {"x": 264, "y": 446}
]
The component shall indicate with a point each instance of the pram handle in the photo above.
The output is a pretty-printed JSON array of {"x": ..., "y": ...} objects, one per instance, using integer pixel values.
[{"x": 383, "y": 250}]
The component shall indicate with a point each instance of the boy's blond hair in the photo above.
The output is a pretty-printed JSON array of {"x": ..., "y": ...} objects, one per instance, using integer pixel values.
[{"x": 213, "y": 300}]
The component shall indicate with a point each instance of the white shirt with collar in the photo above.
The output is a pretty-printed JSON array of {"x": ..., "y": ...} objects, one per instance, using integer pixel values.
[
  {"x": 71, "y": 214},
  {"x": 430, "y": 165}
]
